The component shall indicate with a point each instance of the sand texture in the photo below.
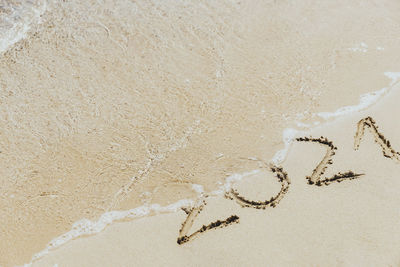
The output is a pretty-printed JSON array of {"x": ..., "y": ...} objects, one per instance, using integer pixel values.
[
  {"x": 113, "y": 105},
  {"x": 349, "y": 222}
]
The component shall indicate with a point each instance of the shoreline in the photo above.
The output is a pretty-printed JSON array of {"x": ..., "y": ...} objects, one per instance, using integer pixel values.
[
  {"x": 111, "y": 105},
  {"x": 84, "y": 227},
  {"x": 346, "y": 192}
]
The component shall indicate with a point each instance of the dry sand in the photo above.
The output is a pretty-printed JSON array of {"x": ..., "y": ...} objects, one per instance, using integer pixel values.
[
  {"x": 111, "y": 105},
  {"x": 351, "y": 223}
]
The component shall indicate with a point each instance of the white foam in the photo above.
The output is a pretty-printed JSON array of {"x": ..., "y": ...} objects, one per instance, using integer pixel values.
[
  {"x": 395, "y": 76},
  {"x": 230, "y": 181},
  {"x": 88, "y": 227},
  {"x": 199, "y": 189},
  {"x": 366, "y": 100},
  {"x": 17, "y": 20},
  {"x": 288, "y": 136},
  {"x": 362, "y": 47}
]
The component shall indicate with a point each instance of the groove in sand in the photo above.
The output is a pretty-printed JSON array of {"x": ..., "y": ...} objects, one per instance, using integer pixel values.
[
  {"x": 282, "y": 178},
  {"x": 318, "y": 172},
  {"x": 370, "y": 124},
  {"x": 192, "y": 214}
]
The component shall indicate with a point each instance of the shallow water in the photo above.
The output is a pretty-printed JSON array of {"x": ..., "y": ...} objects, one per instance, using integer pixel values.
[
  {"x": 16, "y": 18},
  {"x": 86, "y": 227},
  {"x": 115, "y": 104}
]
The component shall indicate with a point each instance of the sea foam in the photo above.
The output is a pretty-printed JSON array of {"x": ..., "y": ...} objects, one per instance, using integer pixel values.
[
  {"x": 16, "y": 19},
  {"x": 366, "y": 100},
  {"x": 86, "y": 227}
]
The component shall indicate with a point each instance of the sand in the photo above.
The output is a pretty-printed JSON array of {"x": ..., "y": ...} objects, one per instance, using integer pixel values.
[
  {"x": 113, "y": 105},
  {"x": 354, "y": 222}
]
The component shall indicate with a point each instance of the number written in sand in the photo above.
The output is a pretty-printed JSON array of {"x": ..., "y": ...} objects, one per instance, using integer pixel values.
[
  {"x": 316, "y": 178},
  {"x": 233, "y": 195},
  {"x": 369, "y": 124},
  {"x": 318, "y": 172}
]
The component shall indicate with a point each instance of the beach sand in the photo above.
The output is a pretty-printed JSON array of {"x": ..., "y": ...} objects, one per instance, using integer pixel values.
[
  {"x": 350, "y": 223},
  {"x": 114, "y": 105}
]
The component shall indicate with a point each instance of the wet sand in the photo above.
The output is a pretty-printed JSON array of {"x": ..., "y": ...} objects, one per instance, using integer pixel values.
[
  {"x": 346, "y": 223},
  {"x": 113, "y": 105}
]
